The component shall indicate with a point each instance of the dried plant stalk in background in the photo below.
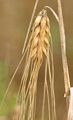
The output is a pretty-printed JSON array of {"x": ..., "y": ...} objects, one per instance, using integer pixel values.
[
  {"x": 39, "y": 47},
  {"x": 68, "y": 88},
  {"x": 63, "y": 49}
]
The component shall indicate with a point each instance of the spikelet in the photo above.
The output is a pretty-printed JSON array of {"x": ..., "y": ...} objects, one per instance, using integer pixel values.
[{"x": 40, "y": 38}]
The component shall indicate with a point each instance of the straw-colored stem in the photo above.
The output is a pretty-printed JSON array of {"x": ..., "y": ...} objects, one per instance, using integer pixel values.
[
  {"x": 54, "y": 13},
  {"x": 63, "y": 49},
  {"x": 46, "y": 90},
  {"x": 51, "y": 88},
  {"x": 27, "y": 35}
]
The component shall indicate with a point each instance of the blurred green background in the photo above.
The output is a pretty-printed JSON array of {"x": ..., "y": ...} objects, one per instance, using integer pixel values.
[{"x": 14, "y": 20}]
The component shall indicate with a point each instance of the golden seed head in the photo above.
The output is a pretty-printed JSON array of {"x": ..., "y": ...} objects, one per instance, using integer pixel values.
[{"x": 41, "y": 36}]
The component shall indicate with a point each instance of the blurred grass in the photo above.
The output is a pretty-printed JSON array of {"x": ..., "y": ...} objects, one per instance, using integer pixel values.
[
  {"x": 9, "y": 103},
  {"x": 4, "y": 71}
]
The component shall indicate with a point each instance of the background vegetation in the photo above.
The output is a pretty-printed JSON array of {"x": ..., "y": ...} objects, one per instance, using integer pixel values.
[{"x": 14, "y": 20}]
